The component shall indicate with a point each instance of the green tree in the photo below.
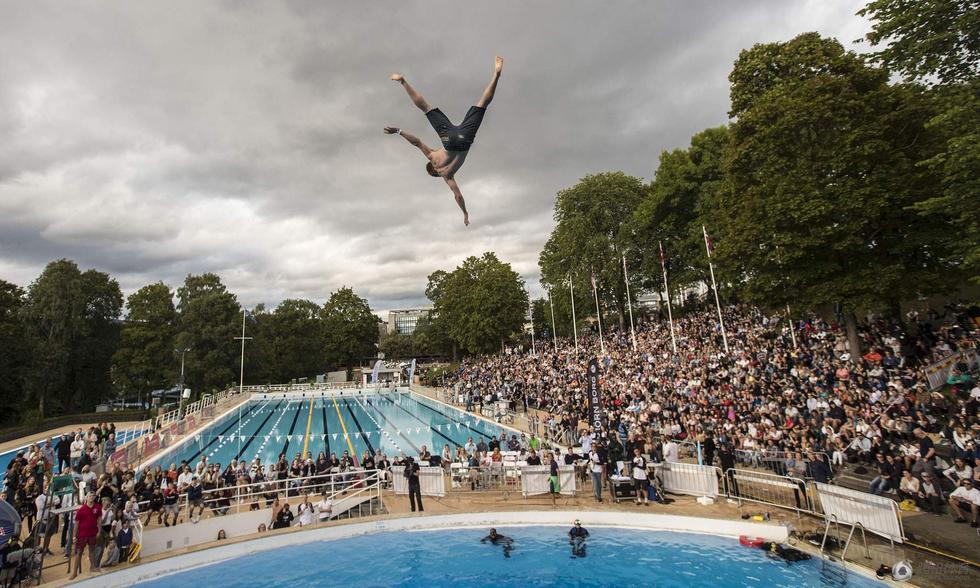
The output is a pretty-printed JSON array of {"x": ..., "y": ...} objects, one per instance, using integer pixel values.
[
  {"x": 297, "y": 340},
  {"x": 591, "y": 235},
  {"x": 687, "y": 191},
  {"x": 482, "y": 303},
  {"x": 208, "y": 322},
  {"x": 72, "y": 329},
  {"x": 937, "y": 42},
  {"x": 397, "y": 346},
  {"x": 15, "y": 354},
  {"x": 926, "y": 39},
  {"x": 824, "y": 166},
  {"x": 145, "y": 357},
  {"x": 431, "y": 338},
  {"x": 350, "y": 329}
]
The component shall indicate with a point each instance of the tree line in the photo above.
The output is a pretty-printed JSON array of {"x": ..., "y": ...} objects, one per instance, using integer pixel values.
[
  {"x": 68, "y": 342},
  {"x": 842, "y": 180}
]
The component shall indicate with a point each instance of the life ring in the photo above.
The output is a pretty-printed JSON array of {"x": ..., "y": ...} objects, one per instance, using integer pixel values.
[
  {"x": 134, "y": 553},
  {"x": 751, "y": 541}
]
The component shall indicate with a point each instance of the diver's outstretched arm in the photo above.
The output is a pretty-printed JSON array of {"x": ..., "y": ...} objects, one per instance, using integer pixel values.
[
  {"x": 410, "y": 138},
  {"x": 417, "y": 98},
  {"x": 459, "y": 199}
]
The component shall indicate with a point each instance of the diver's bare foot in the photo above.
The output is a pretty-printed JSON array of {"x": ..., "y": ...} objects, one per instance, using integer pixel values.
[
  {"x": 397, "y": 77},
  {"x": 466, "y": 220},
  {"x": 498, "y": 64}
]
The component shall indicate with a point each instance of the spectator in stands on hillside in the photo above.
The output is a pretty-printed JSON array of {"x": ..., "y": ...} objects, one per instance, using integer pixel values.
[
  {"x": 533, "y": 459},
  {"x": 966, "y": 496},
  {"x": 63, "y": 448},
  {"x": 110, "y": 446},
  {"x": 171, "y": 506},
  {"x": 958, "y": 472},
  {"x": 882, "y": 481},
  {"x": 195, "y": 499},
  {"x": 155, "y": 506},
  {"x": 930, "y": 494}
]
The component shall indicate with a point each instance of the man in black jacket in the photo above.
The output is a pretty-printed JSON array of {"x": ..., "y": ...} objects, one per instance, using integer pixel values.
[
  {"x": 727, "y": 458},
  {"x": 412, "y": 471}
]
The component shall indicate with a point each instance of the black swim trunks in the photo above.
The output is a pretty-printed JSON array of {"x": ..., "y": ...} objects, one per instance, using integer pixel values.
[{"x": 456, "y": 137}]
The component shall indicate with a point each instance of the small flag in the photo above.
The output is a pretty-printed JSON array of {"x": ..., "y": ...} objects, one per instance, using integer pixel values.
[
  {"x": 368, "y": 434},
  {"x": 221, "y": 437},
  {"x": 335, "y": 436},
  {"x": 707, "y": 241}
]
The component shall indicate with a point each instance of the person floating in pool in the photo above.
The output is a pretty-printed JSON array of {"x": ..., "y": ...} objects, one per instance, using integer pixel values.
[
  {"x": 456, "y": 139},
  {"x": 576, "y": 537},
  {"x": 497, "y": 539}
]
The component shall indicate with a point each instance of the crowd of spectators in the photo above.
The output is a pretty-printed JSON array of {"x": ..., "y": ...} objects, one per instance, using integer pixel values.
[{"x": 806, "y": 405}]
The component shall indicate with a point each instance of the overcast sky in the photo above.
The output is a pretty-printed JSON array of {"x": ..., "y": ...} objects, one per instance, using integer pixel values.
[{"x": 155, "y": 139}]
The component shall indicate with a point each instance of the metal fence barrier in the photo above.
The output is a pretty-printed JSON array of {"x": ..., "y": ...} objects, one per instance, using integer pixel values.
[{"x": 782, "y": 491}]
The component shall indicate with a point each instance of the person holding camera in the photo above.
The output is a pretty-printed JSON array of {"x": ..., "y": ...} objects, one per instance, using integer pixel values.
[{"x": 412, "y": 471}]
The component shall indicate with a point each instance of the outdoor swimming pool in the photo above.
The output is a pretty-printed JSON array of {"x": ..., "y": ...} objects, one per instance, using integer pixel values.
[
  {"x": 392, "y": 422},
  {"x": 541, "y": 556}
]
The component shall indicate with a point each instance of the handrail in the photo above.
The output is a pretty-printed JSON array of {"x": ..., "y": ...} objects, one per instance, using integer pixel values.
[{"x": 340, "y": 483}]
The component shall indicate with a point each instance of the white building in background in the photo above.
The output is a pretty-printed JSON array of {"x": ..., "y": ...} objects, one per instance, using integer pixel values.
[{"x": 404, "y": 321}]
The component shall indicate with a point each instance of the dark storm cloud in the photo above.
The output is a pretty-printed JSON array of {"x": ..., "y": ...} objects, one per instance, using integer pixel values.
[{"x": 152, "y": 140}]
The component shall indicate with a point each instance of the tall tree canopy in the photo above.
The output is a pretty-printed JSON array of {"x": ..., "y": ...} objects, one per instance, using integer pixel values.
[
  {"x": 824, "y": 170},
  {"x": 145, "y": 357},
  {"x": 14, "y": 353},
  {"x": 210, "y": 319},
  {"x": 591, "y": 234},
  {"x": 71, "y": 321},
  {"x": 350, "y": 329},
  {"x": 937, "y": 42},
  {"x": 480, "y": 304},
  {"x": 686, "y": 194}
]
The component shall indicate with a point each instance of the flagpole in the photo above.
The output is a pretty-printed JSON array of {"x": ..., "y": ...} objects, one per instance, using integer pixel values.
[
  {"x": 241, "y": 381},
  {"x": 554, "y": 333},
  {"x": 792, "y": 331},
  {"x": 629, "y": 303},
  {"x": 530, "y": 309},
  {"x": 598, "y": 314},
  {"x": 574, "y": 328},
  {"x": 714, "y": 286},
  {"x": 670, "y": 313}
]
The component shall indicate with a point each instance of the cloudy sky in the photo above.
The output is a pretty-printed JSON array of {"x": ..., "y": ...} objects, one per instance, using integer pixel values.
[{"x": 155, "y": 139}]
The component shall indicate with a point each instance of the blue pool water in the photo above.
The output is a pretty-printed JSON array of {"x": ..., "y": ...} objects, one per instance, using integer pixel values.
[
  {"x": 541, "y": 556},
  {"x": 392, "y": 422}
]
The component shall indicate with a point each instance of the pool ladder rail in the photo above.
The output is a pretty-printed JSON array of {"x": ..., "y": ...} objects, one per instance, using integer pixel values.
[{"x": 831, "y": 574}]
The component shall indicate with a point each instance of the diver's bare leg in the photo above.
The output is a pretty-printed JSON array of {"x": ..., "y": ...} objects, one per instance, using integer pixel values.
[
  {"x": 484, "y": 100},
  {"x": 417, "y": 98}
]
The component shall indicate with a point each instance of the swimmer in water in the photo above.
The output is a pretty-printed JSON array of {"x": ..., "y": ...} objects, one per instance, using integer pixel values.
[
  {"x": 497, "y": 539},
  {"x": 576, "y": 538}
]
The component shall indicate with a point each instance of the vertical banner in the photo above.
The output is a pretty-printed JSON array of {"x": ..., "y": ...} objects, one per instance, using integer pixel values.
[
  {"x": 411, "y": 373},
  {"x": 595, "y": 397},
  {"x": 376, "y": 371}
]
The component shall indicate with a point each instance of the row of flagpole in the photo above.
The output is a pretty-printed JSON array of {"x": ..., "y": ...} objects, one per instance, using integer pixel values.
[{"x": 629, "y": 301}]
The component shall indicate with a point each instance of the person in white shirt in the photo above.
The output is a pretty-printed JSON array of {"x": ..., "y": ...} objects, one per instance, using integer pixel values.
[
  {"x": 597, "y": 467},
  {"x": 586, "y": 441},
  {"x": 305, "y": 511},
  {"x": 959, "y": 471},
  {"x": 77, "y": 447},
  {"x": 965, "y": 496},
  {"x": 325, "y": 508},
  {"x": 671, "y": 451},
  {"x": 640, "y": 477}
]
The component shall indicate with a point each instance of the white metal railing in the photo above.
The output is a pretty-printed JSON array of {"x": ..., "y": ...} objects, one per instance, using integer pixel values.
[{"x": 352, "y": 483}]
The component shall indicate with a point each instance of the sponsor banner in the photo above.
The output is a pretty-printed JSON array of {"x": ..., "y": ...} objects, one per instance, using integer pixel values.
[
  {"x": 152, "y": 444},
  {"x": 596, "y": 418},
  {"x": 191, "y": 423},
  {"x": 119, "y": 457}
]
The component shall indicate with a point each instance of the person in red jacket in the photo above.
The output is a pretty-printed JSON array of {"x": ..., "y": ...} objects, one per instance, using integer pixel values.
[{"x": 86, "y": 530}]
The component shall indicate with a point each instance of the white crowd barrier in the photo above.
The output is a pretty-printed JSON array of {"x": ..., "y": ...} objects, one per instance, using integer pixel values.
[
  {"x": 535, "y": 480},
  {"x": 852, "y": 507},
  {"x": 688, "y": 478},
  {"x": 431, "y": 480}
]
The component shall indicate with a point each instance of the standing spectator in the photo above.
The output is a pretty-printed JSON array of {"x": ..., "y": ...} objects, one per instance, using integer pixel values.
[
  {"x": 87, "y": 519},
  {"x": 412, "y": 472},
  {"x": 598, "y": 468}
]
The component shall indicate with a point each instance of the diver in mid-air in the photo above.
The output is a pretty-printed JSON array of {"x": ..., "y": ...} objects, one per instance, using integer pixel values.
[{"x": 456, "y": 139}]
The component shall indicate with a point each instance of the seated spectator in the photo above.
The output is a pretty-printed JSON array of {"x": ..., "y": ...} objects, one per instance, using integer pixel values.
[{"x": 965, "y": 497}]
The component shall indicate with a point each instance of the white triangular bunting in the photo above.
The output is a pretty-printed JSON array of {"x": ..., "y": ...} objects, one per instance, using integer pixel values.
[
  {"x": 335, "y": 436},
  {"x": 221, "y": 437},
  {"x": 439, "y": 427},
  {"x": 418, "y": 430},
  {"x": 357, "y": 435},
  {"x": 278, "y": 438},
  {"x": 368, "y": 434},
  {"x": 346, "y": 437}
]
